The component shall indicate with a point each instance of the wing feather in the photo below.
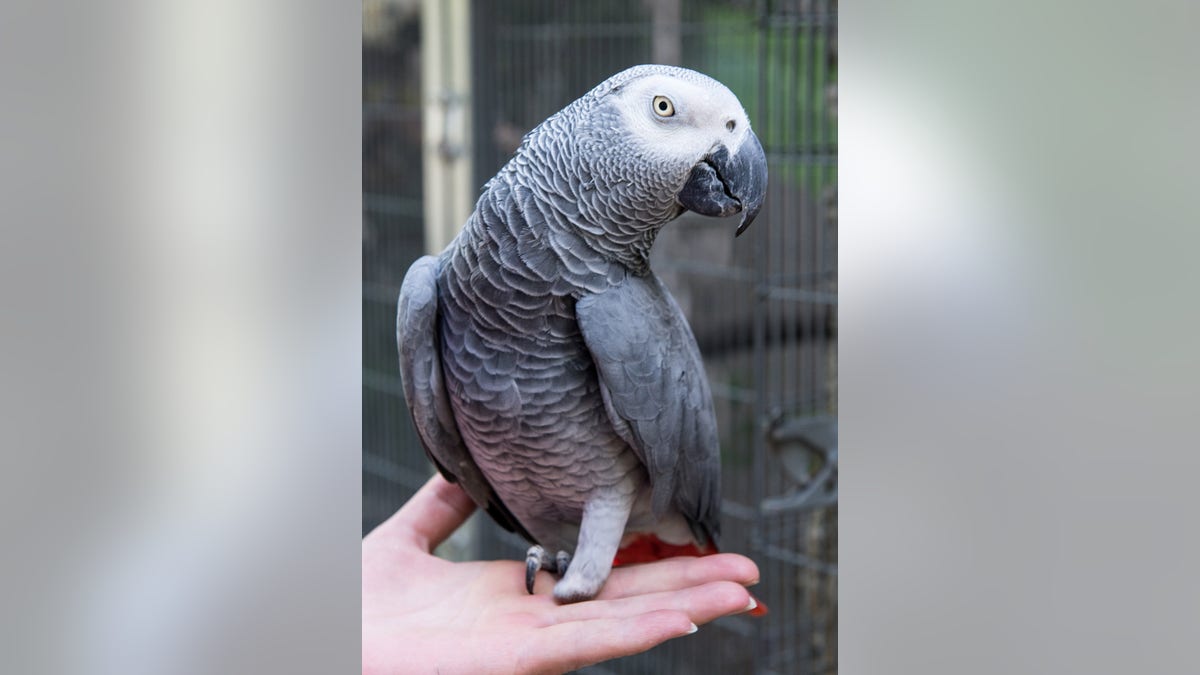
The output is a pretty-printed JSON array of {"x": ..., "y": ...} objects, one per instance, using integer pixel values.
[
  {"x": 419, "y": 348},
  {"x": 657, "y": 395}
]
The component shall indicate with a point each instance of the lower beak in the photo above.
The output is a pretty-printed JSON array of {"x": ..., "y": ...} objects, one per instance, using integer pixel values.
[{"x": 724, "y": 184}]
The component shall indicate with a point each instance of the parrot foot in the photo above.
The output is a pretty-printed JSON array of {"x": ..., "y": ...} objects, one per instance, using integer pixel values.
[
  {"x": 536, "y": 559},
  {"x": 533, "y": 562},
  {"x": 578, "y": 588}
]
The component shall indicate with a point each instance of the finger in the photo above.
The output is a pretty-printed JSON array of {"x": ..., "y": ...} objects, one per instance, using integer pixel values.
[
  {"x": 430, "y": 516},
  {"x": 701, "y": 604},
  {"x": 569, "y": 646},
  {"x": 677, "y": 573}
]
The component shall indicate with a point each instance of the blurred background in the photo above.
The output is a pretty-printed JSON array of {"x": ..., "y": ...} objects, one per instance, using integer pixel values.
[{"x": 449, "y": 89}]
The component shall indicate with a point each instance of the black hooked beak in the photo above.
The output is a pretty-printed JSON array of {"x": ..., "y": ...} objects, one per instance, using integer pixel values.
[{"x": 721, "y": 185}]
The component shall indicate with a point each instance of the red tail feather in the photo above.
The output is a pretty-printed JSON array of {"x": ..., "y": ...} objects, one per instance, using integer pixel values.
[{"x": 648, "y": 548}]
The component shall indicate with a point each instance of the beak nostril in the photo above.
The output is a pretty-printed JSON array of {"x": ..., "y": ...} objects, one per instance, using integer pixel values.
[{"x": 730, "y": 125}]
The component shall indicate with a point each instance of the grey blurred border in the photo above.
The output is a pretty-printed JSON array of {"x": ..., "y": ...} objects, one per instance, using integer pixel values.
[
  {"x": 180, "y": 273},
  {"x": 1018, "y": 352}
]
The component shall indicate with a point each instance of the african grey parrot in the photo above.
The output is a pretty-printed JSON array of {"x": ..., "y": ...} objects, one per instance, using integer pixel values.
[{"x": 547, "y": 369}]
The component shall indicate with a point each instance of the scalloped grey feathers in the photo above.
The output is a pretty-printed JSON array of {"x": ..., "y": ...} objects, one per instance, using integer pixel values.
[{"x": 542, "y": 360}]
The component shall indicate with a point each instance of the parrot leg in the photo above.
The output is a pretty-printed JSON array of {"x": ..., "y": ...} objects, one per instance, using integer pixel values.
[
  {"x": 536, "y": 559},
  {"x": 600, "y": 535}
]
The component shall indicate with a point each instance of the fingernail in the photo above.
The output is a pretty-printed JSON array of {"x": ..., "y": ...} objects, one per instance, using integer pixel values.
[
  {"x": 693, "y": 629},
  {"x": 751, "y": 605}
]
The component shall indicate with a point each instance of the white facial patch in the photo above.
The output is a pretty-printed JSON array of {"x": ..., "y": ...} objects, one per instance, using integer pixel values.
[{"x": 703, "y": 111}]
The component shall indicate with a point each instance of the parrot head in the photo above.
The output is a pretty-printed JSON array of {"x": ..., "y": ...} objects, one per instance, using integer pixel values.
[{"x": 689, "y": 134}]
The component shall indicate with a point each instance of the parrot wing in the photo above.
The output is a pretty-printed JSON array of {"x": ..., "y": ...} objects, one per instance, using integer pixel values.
[
  {"x": 657, "y": 395},
  {"x": 419, "y": 349}
]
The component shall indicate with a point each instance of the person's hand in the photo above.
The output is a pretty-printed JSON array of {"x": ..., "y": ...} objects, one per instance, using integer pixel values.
[{"x": 423, "y": 614}]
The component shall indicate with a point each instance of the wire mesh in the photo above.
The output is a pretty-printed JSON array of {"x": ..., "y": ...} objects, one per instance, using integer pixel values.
[
  {"x": 394, "y": 464},
  {"x": 763, "y": 307}
]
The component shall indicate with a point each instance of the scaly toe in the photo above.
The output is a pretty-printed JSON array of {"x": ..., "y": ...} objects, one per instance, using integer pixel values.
[{"x": 533, "y": 563}]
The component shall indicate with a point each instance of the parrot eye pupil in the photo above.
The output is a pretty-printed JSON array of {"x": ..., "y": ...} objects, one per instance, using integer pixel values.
[{"x": 663, "y": 106}]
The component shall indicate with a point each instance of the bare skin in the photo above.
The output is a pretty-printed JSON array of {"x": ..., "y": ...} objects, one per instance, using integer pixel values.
[{"x": 423, "y": 614}]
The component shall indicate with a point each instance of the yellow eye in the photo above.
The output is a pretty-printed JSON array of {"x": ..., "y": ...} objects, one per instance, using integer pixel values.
[{"x": 663, "y": 106}]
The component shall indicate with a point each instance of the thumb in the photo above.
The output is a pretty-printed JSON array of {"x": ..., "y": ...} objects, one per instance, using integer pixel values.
[{"x": 429, "y": 517}]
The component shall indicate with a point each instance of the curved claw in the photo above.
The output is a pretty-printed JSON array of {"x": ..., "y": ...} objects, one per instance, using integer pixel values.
[
  {"x": 533, "y": 563},
  {"x": 536, "y": 559}
]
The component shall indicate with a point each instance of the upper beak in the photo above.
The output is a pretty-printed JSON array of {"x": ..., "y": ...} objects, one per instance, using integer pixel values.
[{"x": 723, "y": 184}]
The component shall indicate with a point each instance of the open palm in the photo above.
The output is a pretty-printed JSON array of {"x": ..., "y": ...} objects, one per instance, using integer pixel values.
[{"x": 423, "y": 614}]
